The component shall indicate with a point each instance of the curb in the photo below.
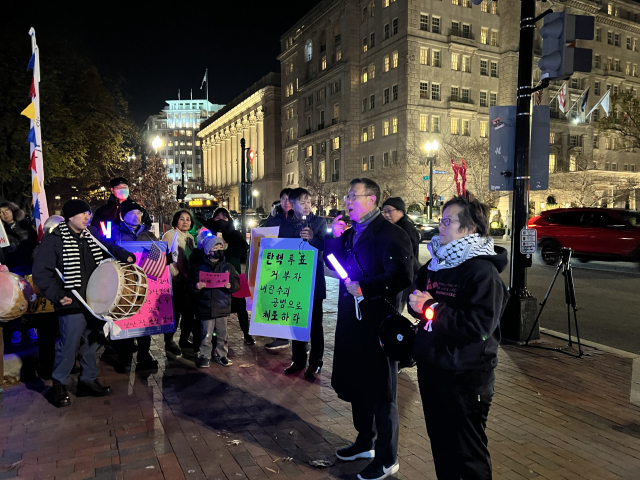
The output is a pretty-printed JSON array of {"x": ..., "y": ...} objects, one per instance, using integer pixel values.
[{"x": 634, "y": 395}]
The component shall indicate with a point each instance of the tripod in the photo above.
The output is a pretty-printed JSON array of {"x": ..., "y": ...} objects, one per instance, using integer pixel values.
[{"x": 569, "y": 297}]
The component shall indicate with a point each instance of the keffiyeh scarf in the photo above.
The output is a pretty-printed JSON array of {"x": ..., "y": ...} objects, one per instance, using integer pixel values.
[
  {"x": 71, "y": 256},
  {"x": 454, "y": 253}
]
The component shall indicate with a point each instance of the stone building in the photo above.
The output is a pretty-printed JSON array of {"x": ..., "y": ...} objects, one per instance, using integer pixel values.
[
  {"x": 255, "y": 116},
  {"x": 367, "y": 83}
]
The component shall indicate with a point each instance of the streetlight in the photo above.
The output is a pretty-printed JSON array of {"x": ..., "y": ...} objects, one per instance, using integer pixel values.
[
  {"x": 157, "y": 143},
  {"x": 432, "y": 151}
]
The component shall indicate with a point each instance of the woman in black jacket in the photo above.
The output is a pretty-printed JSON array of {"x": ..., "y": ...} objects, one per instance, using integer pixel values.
[
  {"x": 460, "y": 298},
  {"x": 235, "y": 254}
]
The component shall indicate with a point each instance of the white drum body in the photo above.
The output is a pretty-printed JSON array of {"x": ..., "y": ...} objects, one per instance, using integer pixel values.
[
  {"x": 15, "y": 295},
  {"x": 117, "y": 290}
]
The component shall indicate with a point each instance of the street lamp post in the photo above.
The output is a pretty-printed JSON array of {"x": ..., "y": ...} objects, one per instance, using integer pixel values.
[{"x": 432, "y": 150}]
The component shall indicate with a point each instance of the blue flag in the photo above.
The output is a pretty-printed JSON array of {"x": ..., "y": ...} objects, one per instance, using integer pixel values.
[
  {"x": 32, "y": 136},
  {"x": 32, "y": 62}
]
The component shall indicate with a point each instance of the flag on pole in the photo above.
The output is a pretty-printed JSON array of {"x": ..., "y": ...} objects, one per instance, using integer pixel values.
[
  {"x": 562, "y": 97},
  {"x": 155, "y": 262},
  {"x": 204, "y": 79},
  {"x": 39, "y": 199}
]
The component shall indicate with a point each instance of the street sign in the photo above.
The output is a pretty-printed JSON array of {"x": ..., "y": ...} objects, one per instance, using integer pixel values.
[
  {"x": 440, "y": 172},
  {"x": 528, "y": 240},
  {"x": 426, "y": 177}
]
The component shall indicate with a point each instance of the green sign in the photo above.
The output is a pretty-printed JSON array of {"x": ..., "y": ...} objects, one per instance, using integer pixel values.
[{"x": 283, "y": 297}]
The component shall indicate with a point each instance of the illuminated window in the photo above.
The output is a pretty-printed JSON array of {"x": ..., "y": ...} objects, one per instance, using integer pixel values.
[{"x": 423, "y": 123}]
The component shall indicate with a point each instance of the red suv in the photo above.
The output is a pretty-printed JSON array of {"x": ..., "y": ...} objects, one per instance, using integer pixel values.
[{"x": 593, "y": 234}]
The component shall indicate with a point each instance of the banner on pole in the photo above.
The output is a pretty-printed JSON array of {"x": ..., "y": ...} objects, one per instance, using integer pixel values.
[{"x": 285, "y": 282}]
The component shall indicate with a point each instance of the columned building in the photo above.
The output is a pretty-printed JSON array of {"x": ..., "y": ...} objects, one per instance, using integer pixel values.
[{"x": 255, "y": 116}]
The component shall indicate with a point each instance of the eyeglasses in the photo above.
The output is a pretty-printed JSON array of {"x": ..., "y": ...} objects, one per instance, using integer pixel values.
[
  {"x": 352, "y": 196},
  {"x": 447, "y": 221}
]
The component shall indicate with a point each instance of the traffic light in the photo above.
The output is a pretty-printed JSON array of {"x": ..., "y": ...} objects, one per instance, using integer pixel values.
[
  {"x": 560, "y": 57},
  {"x": 251, "y": 155},
  {"x": 181, "y": 193}
]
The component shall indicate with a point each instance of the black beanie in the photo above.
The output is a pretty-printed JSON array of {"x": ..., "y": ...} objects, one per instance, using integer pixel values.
[
  {"x": 397, "y": 203},
  {"x": 74, "y": 207},
  {"x": 128, "y": 205},
  {"x": 117, "y": 181}
]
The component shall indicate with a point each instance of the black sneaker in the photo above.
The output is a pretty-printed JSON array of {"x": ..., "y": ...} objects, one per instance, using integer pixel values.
[
  {"x": 203, "y": 362},
  {"x": 60, "y": 396},
  {"x": 249, "y": 340},
  {"x": 173, "y": 349},
  {"x": 93, "y": 389},
  {"x": 353, "y": 452},
  {"x": 277, "y": 344},
  {"x": 224, "y": 361},
  {"x": 377, "y": 471}
]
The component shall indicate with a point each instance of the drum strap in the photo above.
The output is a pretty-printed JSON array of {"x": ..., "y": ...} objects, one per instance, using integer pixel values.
[{"x": 71, "y": 255}]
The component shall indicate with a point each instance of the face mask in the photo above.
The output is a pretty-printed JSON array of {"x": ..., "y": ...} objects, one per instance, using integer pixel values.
[{"x": 216, "y": 254}]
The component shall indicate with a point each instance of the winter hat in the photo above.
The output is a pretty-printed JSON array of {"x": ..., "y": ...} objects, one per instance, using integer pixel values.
[
  {"x": 74, "y": 207},
  {"x": 397, "y": 203},
  {"x": 128, "y": 205},
  {"x": 211, "y": 242},
  {"x": 117, "y": 181}
]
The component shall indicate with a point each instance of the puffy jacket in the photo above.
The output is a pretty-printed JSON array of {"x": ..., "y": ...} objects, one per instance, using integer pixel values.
[
  {"x": 212, "y": 302},
  {"x": 49, "y": 257}
]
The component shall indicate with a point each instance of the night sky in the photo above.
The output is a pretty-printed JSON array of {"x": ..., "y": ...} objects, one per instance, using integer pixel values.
[{"x": 160, "y": 47}]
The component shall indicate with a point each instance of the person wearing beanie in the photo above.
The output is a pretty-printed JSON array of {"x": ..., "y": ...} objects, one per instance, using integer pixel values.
[
  {"x": 72, "y": 249},
  {"x": 212, "y": 306}
]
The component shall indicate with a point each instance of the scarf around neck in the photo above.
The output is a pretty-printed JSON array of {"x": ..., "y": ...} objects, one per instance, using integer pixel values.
[
  {"x": 71, "y": 255},
  {"x": 455, "y": 253}
]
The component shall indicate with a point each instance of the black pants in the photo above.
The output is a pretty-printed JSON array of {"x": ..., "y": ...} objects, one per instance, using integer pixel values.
[
  {"x": 377, "y": 422},
  {"x": 239, "y": 306},
  {"x": 455, "y": 410},
  {"x": 183, "y": 316},
  {"x": 299, "y": 349}
]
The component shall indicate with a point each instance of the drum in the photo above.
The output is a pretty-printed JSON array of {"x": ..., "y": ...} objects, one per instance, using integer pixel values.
[
  {"x": 116, "y": 290},
  {"x": 397, "y": 336},
  {"x": 15, "y": 295}
]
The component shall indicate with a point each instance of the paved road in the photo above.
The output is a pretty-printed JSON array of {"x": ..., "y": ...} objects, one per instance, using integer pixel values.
[{"x": 607, "y": 295}]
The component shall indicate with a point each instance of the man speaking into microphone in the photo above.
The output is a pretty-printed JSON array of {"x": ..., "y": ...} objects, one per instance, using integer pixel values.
[{"x": 377, "y": 258}]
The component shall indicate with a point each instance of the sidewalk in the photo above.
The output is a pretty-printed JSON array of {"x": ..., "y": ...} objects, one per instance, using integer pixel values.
[{"x": 553, "y": 417}]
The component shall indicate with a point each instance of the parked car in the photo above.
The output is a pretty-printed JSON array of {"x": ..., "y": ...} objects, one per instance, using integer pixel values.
[
  {"x": 426, "y": 228},
  {"x": 593, "y": 233}
]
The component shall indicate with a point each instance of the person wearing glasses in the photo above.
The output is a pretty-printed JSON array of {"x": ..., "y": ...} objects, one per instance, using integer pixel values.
[
  {"x": 461, "y": 291},
  {"x": 377, "y": 257}
]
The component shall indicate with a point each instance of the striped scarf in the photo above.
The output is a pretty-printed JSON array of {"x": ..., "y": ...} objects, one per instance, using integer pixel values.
[{"x": 71, "y": 256}]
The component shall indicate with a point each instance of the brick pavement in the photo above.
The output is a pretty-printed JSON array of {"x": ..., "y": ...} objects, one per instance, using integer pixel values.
[{"x": 553, "y": 417}]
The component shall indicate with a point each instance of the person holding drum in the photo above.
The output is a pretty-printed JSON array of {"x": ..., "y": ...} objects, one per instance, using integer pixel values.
[
  {"x": 72, "y": 249},
  {"x": 461, "y": 297},
  {"x": 182, "y": 222}
]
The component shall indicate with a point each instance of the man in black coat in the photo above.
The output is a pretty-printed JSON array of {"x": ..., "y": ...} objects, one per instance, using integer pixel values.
[
  {"x": 72, "y": 249},
  {"x": 377, "y": 257}
]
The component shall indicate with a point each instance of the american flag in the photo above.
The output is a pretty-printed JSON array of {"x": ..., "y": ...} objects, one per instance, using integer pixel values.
[{"x": 155, "y": 262}]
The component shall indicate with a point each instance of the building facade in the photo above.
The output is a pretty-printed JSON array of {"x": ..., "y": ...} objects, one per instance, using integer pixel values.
[
  {"x": 366, "y": 84},
  {"x": 255, "y": 116},
  {"x": 176, "y": 127}
]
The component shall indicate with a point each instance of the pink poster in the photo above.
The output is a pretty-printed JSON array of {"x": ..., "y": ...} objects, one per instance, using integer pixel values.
[{"x": 156, "y": 314}]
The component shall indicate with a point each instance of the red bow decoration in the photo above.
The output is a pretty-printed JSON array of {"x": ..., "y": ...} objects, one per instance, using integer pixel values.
[{"x": 462, "y": 171}]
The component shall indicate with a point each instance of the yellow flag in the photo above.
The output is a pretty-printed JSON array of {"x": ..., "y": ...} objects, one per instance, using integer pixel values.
[
  {"x": 34, "y": 186},
  {"x": 30, "y": 111}
]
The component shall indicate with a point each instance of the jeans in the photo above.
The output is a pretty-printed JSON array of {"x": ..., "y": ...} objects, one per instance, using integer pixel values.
[
  {"x": 456, "y": 408},
  {"x": 77, "y": 338},
  {"x": 379, "y": 422},
  {"x": 299, "y": 349},
  {"x": 208, "y": 328}
]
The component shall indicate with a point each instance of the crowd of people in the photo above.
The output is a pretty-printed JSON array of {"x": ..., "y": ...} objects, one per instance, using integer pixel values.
[{"x": 456, "y": 343}]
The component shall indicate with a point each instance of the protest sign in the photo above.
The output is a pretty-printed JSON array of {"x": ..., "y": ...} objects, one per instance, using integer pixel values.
[
  {"x": 283, "y": 296},
  {"x": 214, "y": 280},
  {"x": 156, "y": 314},
  {"x": 257, "y": 234}
]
